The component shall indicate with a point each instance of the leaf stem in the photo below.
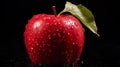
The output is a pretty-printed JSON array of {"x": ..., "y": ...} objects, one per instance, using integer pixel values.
[{"x": 54, "y": 10}]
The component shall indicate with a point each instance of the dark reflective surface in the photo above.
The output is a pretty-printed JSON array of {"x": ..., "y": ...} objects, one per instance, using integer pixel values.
[
  {"x": 18, "y": 62},
  {"x": 94, "y": 57}
]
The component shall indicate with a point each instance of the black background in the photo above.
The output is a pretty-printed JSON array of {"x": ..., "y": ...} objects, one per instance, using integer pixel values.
[{"x": 100, "y": 51}]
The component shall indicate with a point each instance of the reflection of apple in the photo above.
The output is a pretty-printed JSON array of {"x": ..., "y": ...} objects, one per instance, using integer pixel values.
[{"x": 52, "y": 39}]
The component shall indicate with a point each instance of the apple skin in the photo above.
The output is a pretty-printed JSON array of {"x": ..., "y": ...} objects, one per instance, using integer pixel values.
[{"x": 51, "y": 39}]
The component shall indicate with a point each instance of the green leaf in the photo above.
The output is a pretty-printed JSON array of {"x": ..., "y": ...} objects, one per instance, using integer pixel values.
[{"x": 83, "y": 14}]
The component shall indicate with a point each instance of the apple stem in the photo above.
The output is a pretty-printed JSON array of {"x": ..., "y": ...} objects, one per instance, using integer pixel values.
[{"x": 54, "y": 10}]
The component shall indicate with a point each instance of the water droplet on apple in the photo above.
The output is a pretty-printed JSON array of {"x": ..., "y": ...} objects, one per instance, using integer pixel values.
[
  {"x": 63, "y": 37},
  {"x": 63, "y": 31},
  {"x": 34, "y": 52},
  {"x": 71, "y": 51},
  {"x": 29, "y": 39},
  {"x": 57, "y": 30},
  {"x": 41, "y": 37},
  {"x": 73, "y": 43},
  {"x": 59, "y": 23},
  {"x": 39, "y": 32},
  {"x": 48, "y": 17},
  {"x": 54, "y": 20},
  {"x": 31, "y": 48},
  {"x": 71, "y": 39},
  {"x": 48, "y": 45},
  {"x": 37, "y": 24},
  {"x": 40, "y": 46},
  {"x": 44, "y": 18},
  {"x": 47, "y": 23},
  {"x": 49, "y": 37},
  {"x": 80, "y": 45},
  {"x": 54, "y": 34},
  {"x": 30, "y": 34},
  {"x": 32, "y": 39},
  {"x": 66, "y": 52},
  {"x": 37, "y": 44},
  {"x": 43, "y": 44},
  {"x": 44, "y": 29},
  {"x": 39, "y": 49},
  {"x": 68, "y": 33},
  {"x": 69, "y": 22},
  {"x": 72, "y": 27},
  {"x": 60, "y": 28},
  {"x": 55, "y": 23},
  {"x": 59, "y": 35}
]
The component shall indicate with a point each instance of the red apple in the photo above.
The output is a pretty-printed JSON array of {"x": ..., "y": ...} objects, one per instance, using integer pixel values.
[
  {"x": 58, "y": 39},
  {"x": 52, "y": 39}
]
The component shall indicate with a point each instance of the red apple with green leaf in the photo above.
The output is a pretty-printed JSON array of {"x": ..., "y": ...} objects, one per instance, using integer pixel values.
[{"x": 58, "y": 39}]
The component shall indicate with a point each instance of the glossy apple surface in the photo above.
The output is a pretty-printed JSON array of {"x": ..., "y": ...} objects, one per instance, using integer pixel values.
[{"x": 51, "y": 39}]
